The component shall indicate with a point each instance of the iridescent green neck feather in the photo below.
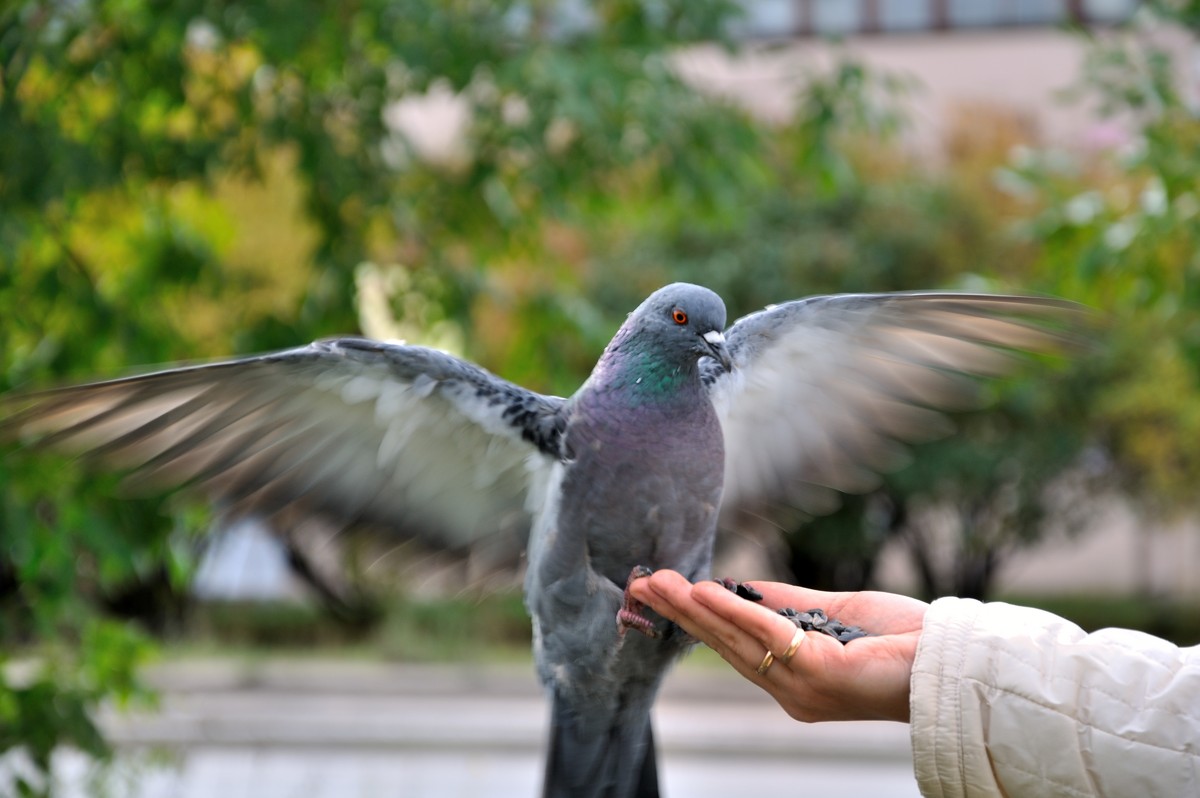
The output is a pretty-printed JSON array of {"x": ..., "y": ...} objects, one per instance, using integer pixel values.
[{"x": 634, "y": 369}]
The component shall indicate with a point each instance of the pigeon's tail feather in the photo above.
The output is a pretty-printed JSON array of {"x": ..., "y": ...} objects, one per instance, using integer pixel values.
[{"x": 605, "y": 760}]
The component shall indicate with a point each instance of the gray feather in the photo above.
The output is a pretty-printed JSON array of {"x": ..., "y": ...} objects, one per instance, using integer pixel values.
[
  {"x": 401, "y": 436},
  {"x": 824, "y": 390}
]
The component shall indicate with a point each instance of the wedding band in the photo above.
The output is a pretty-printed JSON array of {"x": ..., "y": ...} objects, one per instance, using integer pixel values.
[
  {"x": 766, "y": 663},
  {"x": 797, "y": 639}
]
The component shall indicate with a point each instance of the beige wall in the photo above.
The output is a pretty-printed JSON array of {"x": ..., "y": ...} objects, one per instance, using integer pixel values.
[{"x": 1019, "y": 70}]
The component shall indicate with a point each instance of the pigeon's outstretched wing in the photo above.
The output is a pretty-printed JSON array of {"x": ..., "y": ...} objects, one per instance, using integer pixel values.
[
  {"x": 824, "y": 390},
  {"x": 351, "y": 429}
]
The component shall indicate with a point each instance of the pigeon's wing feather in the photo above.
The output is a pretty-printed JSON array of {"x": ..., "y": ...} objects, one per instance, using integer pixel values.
[
  {"x": 350, "y": 429},
  {"x": 824, "y": 390}
]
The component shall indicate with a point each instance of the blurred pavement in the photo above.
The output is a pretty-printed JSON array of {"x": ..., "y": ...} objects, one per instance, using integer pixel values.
[{"x": 333, "y": 729}]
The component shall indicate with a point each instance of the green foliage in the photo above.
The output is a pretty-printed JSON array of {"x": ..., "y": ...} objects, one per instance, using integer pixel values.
[
  {"x": 1120, "y": 233},
  {"x": 48, "y": 702},
  {"x": 413, "y": 629},
  {"x": 1124, "y": 237},
  {"x": 838, "y": 219},
  {"x": 1117, "y": 232},
  {"x": 424, "y": 630},
  {"x": 134, "y": 138}
]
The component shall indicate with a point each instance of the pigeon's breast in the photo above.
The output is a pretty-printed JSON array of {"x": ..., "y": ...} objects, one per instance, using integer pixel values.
[{"x": 644, "y": 487}]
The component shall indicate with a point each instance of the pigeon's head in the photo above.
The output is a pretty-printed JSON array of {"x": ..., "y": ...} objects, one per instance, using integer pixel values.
[{"x": 685, "y": 319}]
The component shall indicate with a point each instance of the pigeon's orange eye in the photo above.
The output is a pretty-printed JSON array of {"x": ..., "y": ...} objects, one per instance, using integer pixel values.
[{"x": 679, "y": 316}]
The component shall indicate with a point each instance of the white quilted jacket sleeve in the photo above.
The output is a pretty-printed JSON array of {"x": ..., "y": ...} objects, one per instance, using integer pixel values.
[{"x": 1013, "y": 701}]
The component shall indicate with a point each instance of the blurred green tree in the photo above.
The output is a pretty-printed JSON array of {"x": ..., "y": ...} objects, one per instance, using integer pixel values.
[
  {"x": 1115, "y": 231},
  {"x": 133, "y": 136},
  {"x": 1123, "y": 235},
  {"x": 1118, "y": 231},
  {"x": 852, "y": 213}
]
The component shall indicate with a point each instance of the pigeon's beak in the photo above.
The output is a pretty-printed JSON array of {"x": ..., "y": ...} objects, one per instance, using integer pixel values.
[{"x": 715, "y": 343}]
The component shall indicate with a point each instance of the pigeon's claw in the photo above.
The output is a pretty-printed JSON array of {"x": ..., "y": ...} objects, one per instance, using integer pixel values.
[
  {"x": 631, "y": 618},
  {"x": 630, "y": 615}
]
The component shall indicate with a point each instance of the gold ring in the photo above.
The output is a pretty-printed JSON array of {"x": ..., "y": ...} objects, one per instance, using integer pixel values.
[
  {"x": 797, "y": 639},
  {"x": 766, "y": 663}
]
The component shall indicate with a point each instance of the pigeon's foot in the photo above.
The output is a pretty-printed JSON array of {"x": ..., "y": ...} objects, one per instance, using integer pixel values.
[{"x": 630, "y": 615}]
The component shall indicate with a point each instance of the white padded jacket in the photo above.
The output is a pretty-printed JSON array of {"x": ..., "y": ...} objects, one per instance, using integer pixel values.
[{"x": 1012, "y": 701}]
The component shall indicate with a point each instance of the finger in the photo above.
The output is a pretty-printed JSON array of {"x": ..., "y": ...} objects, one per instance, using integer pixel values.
[
  {"x": 671, "y": 595},
  {"x": 660, "y": 590},
  {"x": 699, "y": 621},
  {"x": 878, "y": 613},
  {"x": 758, "y": 628},
  {"x": 778, "y": 595}
]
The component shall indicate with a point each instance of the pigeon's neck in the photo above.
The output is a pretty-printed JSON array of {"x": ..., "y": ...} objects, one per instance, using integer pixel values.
[{"x": 643, "y": 374}]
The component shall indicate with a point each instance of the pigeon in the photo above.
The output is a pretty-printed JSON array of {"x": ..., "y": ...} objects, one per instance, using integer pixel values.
[{"x": 682, "y": 426}]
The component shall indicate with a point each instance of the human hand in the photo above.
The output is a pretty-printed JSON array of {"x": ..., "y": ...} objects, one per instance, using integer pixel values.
[{"x": 865, "y": 679}]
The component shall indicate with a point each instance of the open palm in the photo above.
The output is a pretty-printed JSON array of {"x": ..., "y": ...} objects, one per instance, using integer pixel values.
[{"x": 866, "y": 679}]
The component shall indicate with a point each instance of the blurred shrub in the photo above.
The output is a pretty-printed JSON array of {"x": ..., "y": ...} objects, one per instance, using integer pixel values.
[{"x": 134, "y": 137}]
